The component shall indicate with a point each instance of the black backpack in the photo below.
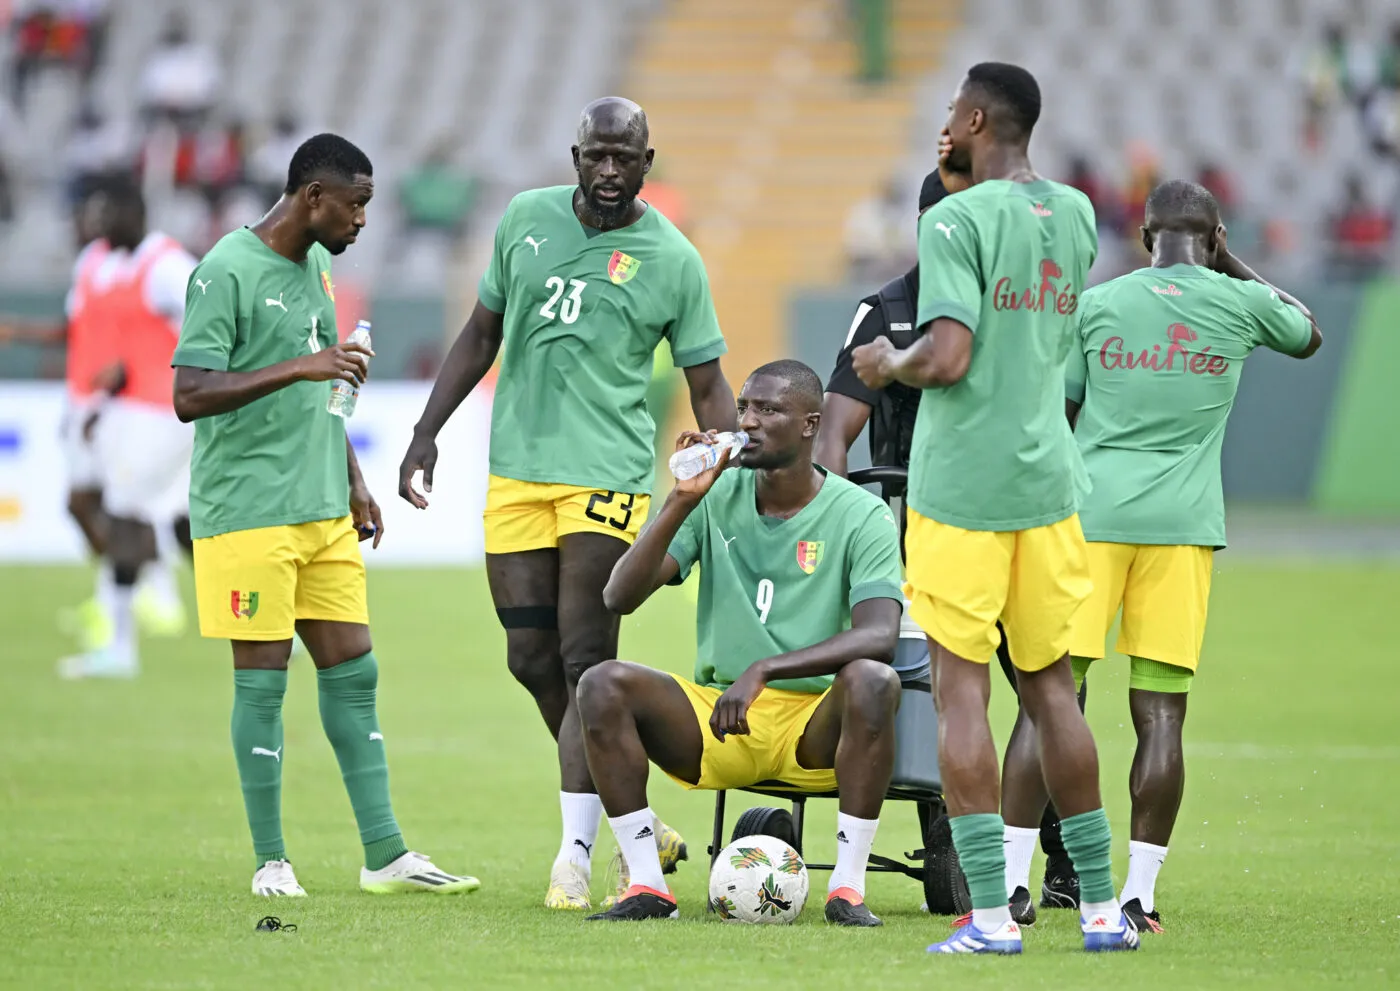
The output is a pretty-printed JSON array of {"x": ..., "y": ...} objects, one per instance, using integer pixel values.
[{"x": 890, "y": 441}]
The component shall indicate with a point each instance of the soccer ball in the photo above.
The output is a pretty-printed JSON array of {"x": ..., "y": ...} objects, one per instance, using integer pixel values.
[{"x": 759, "y": 880}]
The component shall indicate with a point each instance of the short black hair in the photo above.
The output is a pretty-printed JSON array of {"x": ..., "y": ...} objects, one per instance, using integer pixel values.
[
  {"x": 1182, "y": 205},
  {"x": 121, "y": 190},
  {"x": 1016, "y": 95},
  {"x": 931, "y": 191},
  {"x": 326, "y": 155},
  {"x": 801, "y": 380}
]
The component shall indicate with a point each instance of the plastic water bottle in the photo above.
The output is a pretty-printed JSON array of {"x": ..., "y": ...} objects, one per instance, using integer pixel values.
[
  {"x": 343, "y": 394},
  {"x": 701, "y": 457}
]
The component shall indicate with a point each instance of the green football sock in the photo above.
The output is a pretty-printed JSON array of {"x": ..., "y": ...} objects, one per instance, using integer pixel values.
[
  {"x": 257, "y": 747},
  {"x": 1090, "y": 843},
  {"x": 347, "y": 693},
  {"x": 979, "y": 839}
]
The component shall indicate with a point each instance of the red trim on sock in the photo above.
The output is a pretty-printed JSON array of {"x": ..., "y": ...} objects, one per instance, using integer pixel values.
[
  {"x": 850, "y": 894},
  {"x": 638, "y": 889}
]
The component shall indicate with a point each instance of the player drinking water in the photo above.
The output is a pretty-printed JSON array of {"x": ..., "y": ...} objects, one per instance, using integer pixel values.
[
  {"x": 584, "y": 283},
  {"x": 993, "y": 488},
  {"x": 276, "y": 500},
  {"x": 798, "y": 616}
]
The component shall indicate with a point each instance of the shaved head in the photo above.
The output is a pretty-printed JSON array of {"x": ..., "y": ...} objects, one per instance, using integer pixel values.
[
  {"x": 1183, "y": 207},
  {"x": 612, "y": 160},
  {"x": 613, "y": 115}
]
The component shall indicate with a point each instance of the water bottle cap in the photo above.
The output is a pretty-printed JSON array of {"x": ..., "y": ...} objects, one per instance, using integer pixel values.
[{"x": 362, "y": 325}]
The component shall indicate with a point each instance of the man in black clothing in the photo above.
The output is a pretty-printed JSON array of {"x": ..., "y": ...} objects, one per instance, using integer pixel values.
[{"x": 847, "y": 407}]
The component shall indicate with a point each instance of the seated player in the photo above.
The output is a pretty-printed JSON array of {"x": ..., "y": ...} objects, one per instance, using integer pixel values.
[{"x": 798, "y": 617}]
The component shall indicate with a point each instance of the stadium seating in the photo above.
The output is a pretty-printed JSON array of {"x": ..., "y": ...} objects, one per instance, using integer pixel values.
[
  {"x": 502, "y": 80},
  {"x": 1196, "y": 80}
]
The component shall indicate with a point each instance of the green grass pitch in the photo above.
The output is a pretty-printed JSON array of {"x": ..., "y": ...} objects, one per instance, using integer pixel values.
[{"x": 125, "y": 863}]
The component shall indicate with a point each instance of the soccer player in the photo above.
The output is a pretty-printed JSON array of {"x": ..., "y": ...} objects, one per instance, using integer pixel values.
[
  {"x": 891, "y": 413},
  {"x": 584, "y": 283},
  {"x": 797, "y": 623},
  {"x": 1152, "y": 378},
  {"x": 276, "y": 500},
  {"x": 132, "y": 286},
  {"x": 994, "y": 483}
]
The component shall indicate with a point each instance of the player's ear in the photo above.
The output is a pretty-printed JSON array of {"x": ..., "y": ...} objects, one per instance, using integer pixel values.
[
  {"x": 647, "y": 160},
  {"x": 574, "y": 151},
  {"x": 977, "y": 121},
  {"x": 312, "y": 193},
  {"x": 814, "y": 422},
  {"x": 1147, "y": 239}
]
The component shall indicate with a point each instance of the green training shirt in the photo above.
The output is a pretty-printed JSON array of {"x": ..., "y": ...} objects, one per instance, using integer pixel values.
[
  {"x": 281, "y": 459},
  {"x": 770, "y": 586},
  {"x": 1007, "y": 260},
  {"x": 1156, "y": 364},
  {"x": 584, "y": 312}
]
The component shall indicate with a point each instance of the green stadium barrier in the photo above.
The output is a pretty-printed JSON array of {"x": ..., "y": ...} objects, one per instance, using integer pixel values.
[
  {"x": 873, "y": 34},
  {"x": 1360, "y": 471}
]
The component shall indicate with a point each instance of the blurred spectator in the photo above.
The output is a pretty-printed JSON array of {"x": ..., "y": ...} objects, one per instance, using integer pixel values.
[
  {"x": 1084, "y": 178},
  {"x": 216, "y": 161},
  {"x": 267, "y": 166},
  {"x": 1361, "y": 233},
  {"x": 1143, "y": 177},
  {"x": 65, "y": 33},
  {"x": 437, "y": 195},
  {"x": 181, "y": 78},
  {"x": 667, "y": 199},
  {"x": 877, "y": 239},
  {"x": 1217, "y": 181},
  {"x": 97, "y": 148},
  {"x": 1380, "y": 115}
]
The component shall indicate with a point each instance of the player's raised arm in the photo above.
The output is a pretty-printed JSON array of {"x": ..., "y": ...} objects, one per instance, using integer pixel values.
[
  {"x": 470, "y": 358},
  {"x": 711, "y": 398},
  {"x": 1231, "y": 265},
  {"x": 843, "y": 418},
  {"x": 648, "y": 563}
]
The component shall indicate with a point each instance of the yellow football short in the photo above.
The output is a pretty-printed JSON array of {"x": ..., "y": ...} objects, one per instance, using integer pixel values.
[
  {"x": 961, "y": 582},
  {"x": 255, "y": 584},
  {"x": 1163, "y": 591},
  {"x": 529, "y": 516},
  {"x": 777, "y": 720}
]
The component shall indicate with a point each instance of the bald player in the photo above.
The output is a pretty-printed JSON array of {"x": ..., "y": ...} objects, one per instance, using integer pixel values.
[
  {"x": 994, "y": 486},
  {"x": 584, "y": 284}
]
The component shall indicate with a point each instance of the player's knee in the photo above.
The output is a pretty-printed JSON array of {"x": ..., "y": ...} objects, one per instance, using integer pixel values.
[
  {"x": 601, "y": 692},
  {"x": 871, "y": 688},
  {"x": 532, "y": 658},
  {"x": 581, "y": 657}
]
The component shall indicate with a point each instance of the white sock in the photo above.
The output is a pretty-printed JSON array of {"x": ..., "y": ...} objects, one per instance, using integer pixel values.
[
  {"x": 1109, "y": 910},
  {"x": 581, "y": 813},
  {"x": 159, "y": 577},
  {"x": 1020, "y": 848},
  {"x": 636, "y": 838},
  {"x": 123, "y": 623},
  {"x": 106, "y": 590},
  {"x": 854, "y": 838},
  {"x": 989, "y": 920},
  {"x": 1144, "y": 861}
]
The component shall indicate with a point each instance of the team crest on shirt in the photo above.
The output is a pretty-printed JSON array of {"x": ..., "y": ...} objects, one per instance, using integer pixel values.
[
  {"x": 621, "y": 267},
  {"x": 327, "y": 285},
  {"x": 809, "y": 554},
  {"x": 244, "y": 604}
]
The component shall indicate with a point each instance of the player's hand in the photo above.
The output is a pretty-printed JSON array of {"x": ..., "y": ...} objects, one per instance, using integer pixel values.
[
  {"x": 731, "y": 713},
  {"x": 953, "y": 181},
  {"x": 365, "y": 512},
  {"x": 422, "y": 456},
  {"x": 696, "y": 487},
  {"x": 872, "y": 362},
  {"x": 348, "y": 362}
]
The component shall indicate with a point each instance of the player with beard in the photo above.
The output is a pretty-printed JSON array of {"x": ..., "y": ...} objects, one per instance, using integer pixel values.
[{"x": 583, "y": 285}]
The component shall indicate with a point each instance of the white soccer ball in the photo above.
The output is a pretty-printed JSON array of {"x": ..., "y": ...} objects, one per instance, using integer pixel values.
[{"x": 759, "y": 880}]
